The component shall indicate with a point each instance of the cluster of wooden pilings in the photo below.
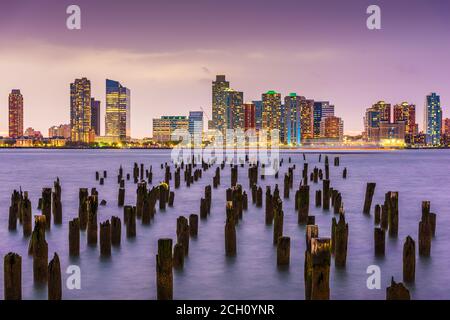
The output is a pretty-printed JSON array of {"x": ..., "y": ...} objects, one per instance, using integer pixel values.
[{"x": 319, "y": 251}]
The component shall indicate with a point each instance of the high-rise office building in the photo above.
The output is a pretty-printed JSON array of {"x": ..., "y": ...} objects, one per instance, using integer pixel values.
[
  {"x": 234, "y": 109},
  {"x": 118, "y": 110},
  {"x": 292, "y": 123},
  {"x": 307, "y": 119},
  {"x": 219, "y": 106},
  {"x": 195, "y": 123},
  {"x": 406, "y": 113},
  {"x": 271, "y": 113},
  {"x": 80, "y": 111},
  {"x": 95, "y": 116},
  {"x": 332, "y": 128},
  {"x": 327, "y": 109},
  {"x": 258, "y": 114},
  {"x": 249, "y": 116},
  {"x": 433, "y": 119},
  {"x": 15, "y": 114},
  {"x": 166, "y": 125},
  {"x": 317, "y": 117}
]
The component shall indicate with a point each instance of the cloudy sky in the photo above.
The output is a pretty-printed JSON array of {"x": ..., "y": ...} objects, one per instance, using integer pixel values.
[{"x": 168, "y": 52}]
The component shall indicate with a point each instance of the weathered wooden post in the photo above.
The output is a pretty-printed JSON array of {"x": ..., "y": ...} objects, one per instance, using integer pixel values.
[
  {"x": 269, "y": 207},
  {"x": 83, "y": 207},
  {"x": 178, "y": 256},
  {"x": 384, "y": 222},
  {"x": 277, "y": 220},
  {"x": 47, "y": 206},
  {"x": 203, "y": 208},
  {"x": 12, "y": 268},
  {"x": 409, "y": 260},
  {"x": 303, "y": 205},
  {"x": 105, "y": 239},
  {"x": 425, "y": 236},
  {"x": 39, "y": 250},
  {"x": 54, "y": 279},
  {"x": 230, "y": 232},
  {"x": 12, "y": 219},
  {"x": 286, "y": 186},
  {"x": 397, "y": 291},
  {"x": 321, "y": 258},
  {"x": 121, "y": 197},
  {"x": 326, "y": 195},
  {"x": 379, "y": 239},
  {"x": 163, "y": 190},
  {"x": 283, "y": 251},
  {"x": 26, "y": 215},
  {"x": 74, "y": 237},
  {"x": 370, "y": 190},
  {"x": 92, "y": 228},
  {"x": 344, "y": 173},
  {"x": 259, "y": 197},
  {"x": 116, "y": 231},
  {"x": 141, "y": 193},
  {"x": 164, "y": 273},
  {"x": 131, "y": 222},
  {"x": 318, "y": 198},
  {"x": 377, "y": 219},
  {"x": 56, "y": 202},
  {"x": 340, "y": 242},
  {"x": 183, "y": 233},
  {"x": 392, "y": 208},
  {"x": 193, "y": 225}
]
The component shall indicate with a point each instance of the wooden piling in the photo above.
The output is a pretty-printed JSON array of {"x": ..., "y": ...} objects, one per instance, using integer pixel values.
[
  {"x": 409, "y": 260},
  {"x": 318, "y": 198},
  {"x": 283, "y": 251},
  {"x": 178, "y": 256},
  {"x": 54, "y": 279},
  {"x": 47, "y": 205},
  {"x": 321, "y": 258},
  {"x": 230, "y": 232},
  {"x": 377, "y": 218},
  {"x": 105, "y": 239},
  {"x": 425, "y": 236},
  {"x": 278, "y": 218},
  {"x": 12, "y": 271},
  {"x": 370, "y": 190},
  {"x": 379, "y": 240},
  {"x": 39, "y": 250},
  {"x": 74, "y": 237},
  {"x": 397, "y": 291},
  {"x": 259, "y": 197},
  {"x": 131, "y": 222},
  {"x": 303, "y": 205},
  {"x": 92, "y": 228},
  {"x": 116, "y": 231},
  {"x": 392, "y": 208},
  {"x": 26, "y": 216},
  {"x": 340, "y": 242},
  {"x": 326, "y": 194},
  {"x": 164, "y": 273},
  {"x": 193, "y": 225},
  {"x": 183, "y": 233}
]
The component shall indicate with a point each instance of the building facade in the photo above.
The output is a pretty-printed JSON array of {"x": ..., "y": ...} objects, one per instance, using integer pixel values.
[
  {"x": 332, "y": 128},
  {"x": 166, "y": 125},
  {"x": 433, "y": 119},
  {"x": 292, "y": 125},
  {"x": 196, "y": 123},
  {"x": 271, "y": 110},
  {"x": 249, "y": 116},
  {"x": 95, "y": 116},
  {"x": 406, "y": 113},
  {"x": 234, "y": 109},
  {"x": 61, "y": 131},
  {"x": 219, "y": 107},
  {"x": 258, "y": 114},
  {"x": 307, "y": 119},
  {"x": 80, "y": 111},
  {"x": 118, "y": 111},
  {"x": 15, "y": 115}
]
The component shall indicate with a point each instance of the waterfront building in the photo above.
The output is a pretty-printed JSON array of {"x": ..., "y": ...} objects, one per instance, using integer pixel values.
[
  {"x": 249, "y": 116},
  {"x": 118, "y": 110},
  {"x": 292, "y": 125},
  {"x": 433, "y": 119},
  {"x": 61, "y": 131},
  {"x": 307, "y": 119},
  {"x": 406, "y": 113},
  {"x": 166, "y": 125},
  {"x": 196, "y": 123},
  {"x": 80, "y": 111},
  {"x": 95, "y": 116},
  {"x": 271, "y": 113},
  {"x": 258, "y": 114},
  {"x": 332, "y": 128},
  {"x": 219, "y": 106},
  {"x": 15, "y": 116},
  {"x": 392, "y": 131},
  {"x": 234, "y": 110}
]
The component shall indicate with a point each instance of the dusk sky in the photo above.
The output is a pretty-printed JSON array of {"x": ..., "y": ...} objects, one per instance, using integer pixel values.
[{"x": 167, "y": 52}]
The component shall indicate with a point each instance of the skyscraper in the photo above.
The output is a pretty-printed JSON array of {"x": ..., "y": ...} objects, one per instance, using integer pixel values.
[
  {"x": 166, "y": 125},
  {"x": 15, "y": 114},
  {"x": 95, "y": 116},
  {"x": 80, "y": 110},
  {"x": 433, "y": 119},
  {"x": 292, "y": 123},
  {"x": 271, "y": 113},
  {"x": 219, "y": 102},
  {"x": 407, "y": 113},
  {"x": 332, "y": 128},
  {"x": 195, "y": 122},
  {"x": 258, "y": 114},
  {"x": 234, "y": 109},
  {"x": 249, "y": 116},
  {"x": 118, "y": 105},
  {"x": 317, "y": 117},
  {"x": 307, "y": 119}
]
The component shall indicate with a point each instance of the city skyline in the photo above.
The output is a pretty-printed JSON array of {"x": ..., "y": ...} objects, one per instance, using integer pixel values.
[{"x": 344, "y": 62}]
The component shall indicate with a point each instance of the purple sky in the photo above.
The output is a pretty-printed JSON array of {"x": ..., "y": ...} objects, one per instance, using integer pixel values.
[{"x": 168, "y": 52}]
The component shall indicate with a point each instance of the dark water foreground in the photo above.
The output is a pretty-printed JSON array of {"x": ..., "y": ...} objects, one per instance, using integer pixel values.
[{"x": 253, "y": 273}]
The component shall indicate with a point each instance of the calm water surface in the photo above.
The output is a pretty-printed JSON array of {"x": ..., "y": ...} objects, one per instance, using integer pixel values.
[{"x": 252, "y": 274}]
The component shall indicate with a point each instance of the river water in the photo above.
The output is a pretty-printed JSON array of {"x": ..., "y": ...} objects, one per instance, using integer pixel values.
[{"x": 253, "y": 273}]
